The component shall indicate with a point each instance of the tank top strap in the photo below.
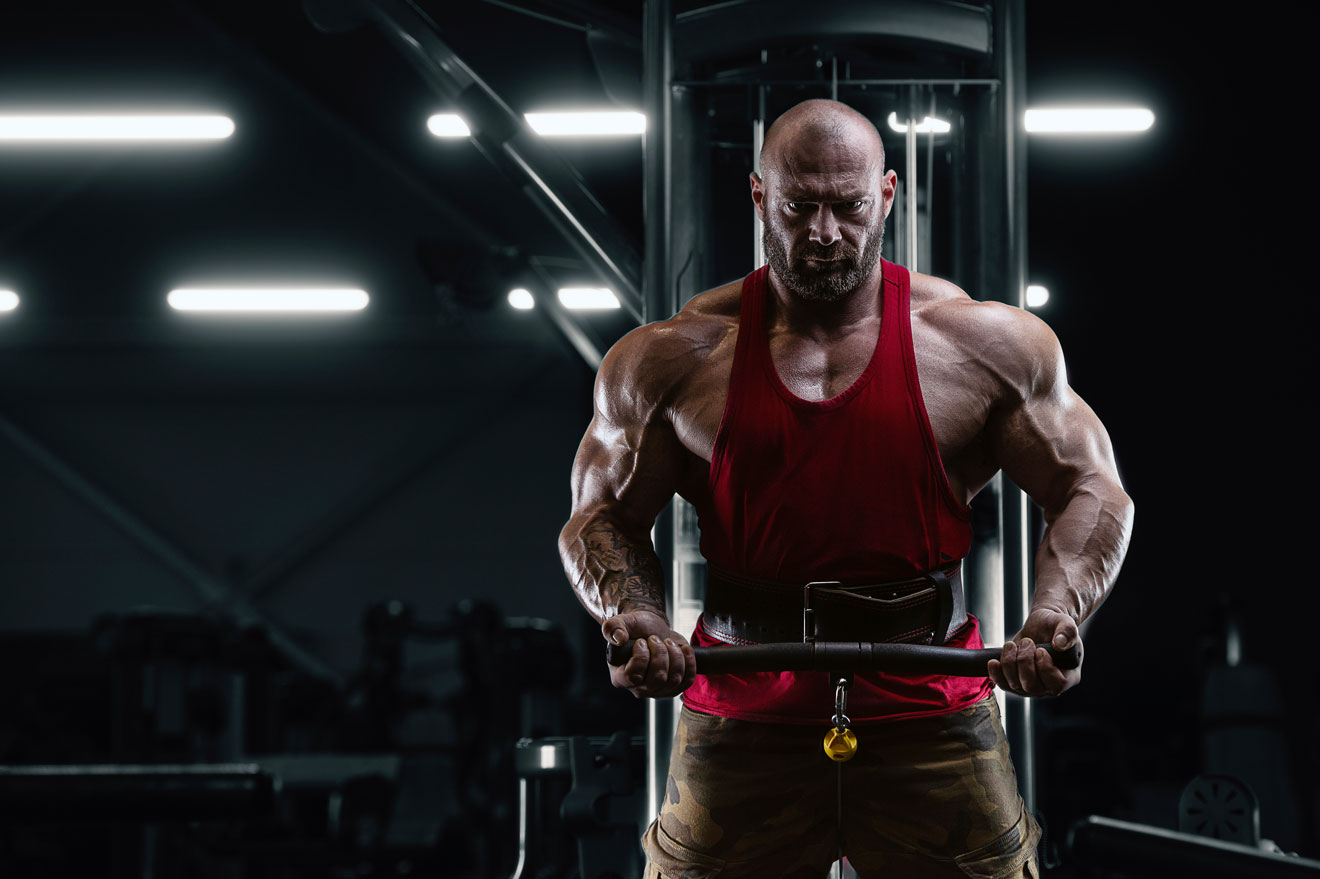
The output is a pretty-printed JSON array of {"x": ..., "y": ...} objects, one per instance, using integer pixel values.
[
  {"x": 751, "y": 317},
  {"x": 896, "y": 298},
  {"x": 752, "y": 344}
]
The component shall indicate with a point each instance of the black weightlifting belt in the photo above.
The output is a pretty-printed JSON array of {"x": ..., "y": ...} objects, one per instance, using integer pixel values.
[{"x": 923, "y": 610}]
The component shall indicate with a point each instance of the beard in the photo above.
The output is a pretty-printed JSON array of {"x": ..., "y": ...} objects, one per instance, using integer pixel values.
[{"x": 828, "y": 283}]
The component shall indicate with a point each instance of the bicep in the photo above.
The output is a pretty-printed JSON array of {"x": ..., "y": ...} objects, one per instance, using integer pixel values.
[{"x": 1050, "y": 447}]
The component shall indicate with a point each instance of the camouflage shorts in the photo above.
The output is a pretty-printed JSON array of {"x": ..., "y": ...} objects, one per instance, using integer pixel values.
[{"x": 924, "y": 797}]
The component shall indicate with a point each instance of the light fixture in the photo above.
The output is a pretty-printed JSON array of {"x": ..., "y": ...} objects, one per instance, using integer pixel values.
[
  {"x": 69, "y": 128},
  {"x": 1037, "y": 296},
  {"x": 8, "y": 301},
  {"x": 267, "y": 300},
  {"x": 613, "y": 123},
  {"x": 928, "y": 125},
  {"x": 521, "y": 299},
  {"x": 1088, "y": 120},
  {"x": 448, "y": 125},
  {"x": 587, "y": 298}
]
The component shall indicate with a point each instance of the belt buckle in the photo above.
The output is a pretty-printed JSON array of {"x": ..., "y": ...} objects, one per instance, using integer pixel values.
[{"x": 808, "y": 614}]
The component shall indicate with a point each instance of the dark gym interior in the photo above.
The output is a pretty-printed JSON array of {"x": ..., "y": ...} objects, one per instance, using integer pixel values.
[{"x": 281, "y": 597}]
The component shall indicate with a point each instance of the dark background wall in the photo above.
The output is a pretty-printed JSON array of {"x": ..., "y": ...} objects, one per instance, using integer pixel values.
[
  {"x": 421, "y": 451},
  {"x": 1187, "y": 328}
]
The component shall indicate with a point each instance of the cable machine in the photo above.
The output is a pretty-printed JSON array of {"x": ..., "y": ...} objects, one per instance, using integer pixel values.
[{"x": 944, "y": 83}]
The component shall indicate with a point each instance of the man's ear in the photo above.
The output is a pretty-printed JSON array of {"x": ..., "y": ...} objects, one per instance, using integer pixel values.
[
  {"x": 888, "y": 189},
  {"x": 758, "y": 194}
]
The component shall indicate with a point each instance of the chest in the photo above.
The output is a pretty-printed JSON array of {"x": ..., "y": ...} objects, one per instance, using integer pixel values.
[
  {"x": 957, "y": 394},
  {"x": 814, "y": 370}
]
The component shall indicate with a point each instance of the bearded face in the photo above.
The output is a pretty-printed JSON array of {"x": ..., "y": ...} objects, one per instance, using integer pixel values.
[{"x": 819, "y": 273}]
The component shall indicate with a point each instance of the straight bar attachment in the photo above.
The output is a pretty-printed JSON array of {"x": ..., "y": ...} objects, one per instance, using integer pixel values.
[{"x": 846, "y": 656}]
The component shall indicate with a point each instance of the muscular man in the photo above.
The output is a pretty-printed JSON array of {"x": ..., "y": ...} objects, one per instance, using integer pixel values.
[{"x": 830, "y": 417}]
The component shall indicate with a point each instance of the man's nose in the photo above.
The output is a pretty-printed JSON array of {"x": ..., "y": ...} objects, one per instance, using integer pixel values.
[{"x": 824, "y": 227}]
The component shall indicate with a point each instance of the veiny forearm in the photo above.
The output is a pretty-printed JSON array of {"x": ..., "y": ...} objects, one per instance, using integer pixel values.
[
  {"x": 1083, "y": 548},
  {"x": 612, "y": 571}
]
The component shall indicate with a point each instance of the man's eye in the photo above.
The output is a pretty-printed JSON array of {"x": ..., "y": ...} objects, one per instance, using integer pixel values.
[
  {"x": 793, "y": 205},
  {"x": 855, "y": 205}
]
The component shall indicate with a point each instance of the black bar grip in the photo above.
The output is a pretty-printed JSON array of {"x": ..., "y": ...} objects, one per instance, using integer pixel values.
[{"x": 842, "y": 656}]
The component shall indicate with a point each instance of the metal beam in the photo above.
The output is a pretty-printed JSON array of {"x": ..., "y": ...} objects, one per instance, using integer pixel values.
[
  {"x": 505, "y": 139},
  {"x": 592, "y": 17},
  {"x": 381, "y": 159},
  {"x": 730, "y": 27},
  {"x": 539, "y": 16},
  {"x": 586, "y": 345},
  {"x": 606, "y": 16},
  {"x": 214, "y": 593}
]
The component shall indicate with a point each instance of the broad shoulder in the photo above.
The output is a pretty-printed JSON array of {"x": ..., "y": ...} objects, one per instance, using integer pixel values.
[
  {"x": 650, "y": 364},
  {"x": 1016, "y": 346}
]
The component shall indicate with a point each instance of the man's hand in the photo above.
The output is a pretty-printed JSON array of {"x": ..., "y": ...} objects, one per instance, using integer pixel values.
[
  {"x": 662, "y": 662},
  {"x": 1025, "y": 667}
]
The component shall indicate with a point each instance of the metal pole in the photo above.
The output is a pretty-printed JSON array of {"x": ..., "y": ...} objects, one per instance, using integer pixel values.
[
  {"x": 1010, "y": 52},
  {"x": 758, "y": 141},
  {"x": 910, "y": 158},
  {"x": 929, "y": 225},
  {"x": 1019, "y": 717},
  {"x": 984, "y": 568},
  {"x": 659, "y": 302}
]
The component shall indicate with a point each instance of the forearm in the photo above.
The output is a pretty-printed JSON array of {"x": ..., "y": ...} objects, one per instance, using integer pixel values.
[
  {"x": 612, "y": 571},
  {"x": 1082, "y": 549}
]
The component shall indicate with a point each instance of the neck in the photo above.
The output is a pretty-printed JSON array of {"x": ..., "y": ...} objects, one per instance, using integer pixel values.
[{"x": 809, "y": 317}]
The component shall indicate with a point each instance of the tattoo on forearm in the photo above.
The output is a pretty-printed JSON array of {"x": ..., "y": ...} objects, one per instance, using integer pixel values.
[{"x": 626, "y": 576}]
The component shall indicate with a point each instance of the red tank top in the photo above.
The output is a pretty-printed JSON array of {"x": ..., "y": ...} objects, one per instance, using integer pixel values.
[{"x": 841, "y": 489}]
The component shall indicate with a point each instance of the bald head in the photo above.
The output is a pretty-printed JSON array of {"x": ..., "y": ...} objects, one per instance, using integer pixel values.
[
  {"x": 807, "y": 128},
  {"x": 823, "y": 195}
]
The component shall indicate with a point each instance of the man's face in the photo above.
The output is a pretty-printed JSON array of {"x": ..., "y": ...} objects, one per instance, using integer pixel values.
[{"x": 824, "y": 212}]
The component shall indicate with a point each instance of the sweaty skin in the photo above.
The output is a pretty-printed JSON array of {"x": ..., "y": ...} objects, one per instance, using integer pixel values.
[{"x": 992, "y": 377}]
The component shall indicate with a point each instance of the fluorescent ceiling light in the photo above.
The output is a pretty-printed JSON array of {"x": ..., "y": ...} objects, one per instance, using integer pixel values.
[
  {"x": 266, "y": 300},
  {"x": 576, "y": 124},
  {"x": 928, "y": 125},
  {"x": 521, "y": 299},
  {"x": 1088, "y": 120},
  {"x": 448, "y": 125},
  {"x": 96, "y": 129},
  {"x": 1037, "y": 296},
  {"x": 587, "y": 124},
  {"x": 586, "y": 298},
  {"x": 8, "y": 300}
]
